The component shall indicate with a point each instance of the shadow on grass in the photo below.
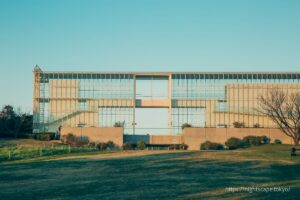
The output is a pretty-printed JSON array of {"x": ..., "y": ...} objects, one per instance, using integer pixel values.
[{"x": 165, "y": 176}]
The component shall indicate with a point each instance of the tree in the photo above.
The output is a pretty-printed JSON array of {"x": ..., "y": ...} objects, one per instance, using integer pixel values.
[
  {"x": 257, "y": 125},
  {"x": 7, "y": 112},
  {"x": 7, "y": 117},
  {"x": 284, "y": 110},
  {"x": 119, "y": 124},
  {"x": 141, "y": 145},
  {"x": 186, "y": 125},
  {"x": 12, "y": 122},
  {"x": 238, "y": 124}
]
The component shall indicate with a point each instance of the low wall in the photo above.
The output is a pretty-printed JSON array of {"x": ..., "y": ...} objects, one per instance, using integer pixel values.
[
  {"x": 166, "y": 139},
  {"x": 193, "y": 137},
  {"x": 97, "y": 134}
]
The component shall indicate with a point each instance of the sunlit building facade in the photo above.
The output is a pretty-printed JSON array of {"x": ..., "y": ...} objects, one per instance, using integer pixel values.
[{"x": 153, "y": 102}]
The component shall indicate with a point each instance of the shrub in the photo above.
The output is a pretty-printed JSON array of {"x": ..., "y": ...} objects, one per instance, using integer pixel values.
[
  {"x": 81, "y": 141},
  {"x": 256, "y": 140},
  {"x": 178, "y": 146},
  {"x": 110, "y": 145},
  {"x": 141, "y": 145},
  {"x": 234, "y": 143},
  {"x": 127, "y": 146},
  {"x": 43, "y": 136},
  {"x": 257, "y": 125},
  {"x": 75, "y": 141},
  {"x": 238, "y": 124},
  {"x": 69, "y": 138},
  {"x": 252, "y": 140},
  {"x": 30, "y": 136},
  {"x": 174, "y": 147},
  {"x": 207, "y": 145},
  {"x": 264, "y": 139},
  {"x": 184, "y": 146},
  {"x": 186, "y": 125},
  {"x": 92, "y": 145},
  {"x": 52, "y": 136},
  {"x": 277, "y": 141},
  {"x": 101, "y": 146},
  {"x": 119, "y": 124}
]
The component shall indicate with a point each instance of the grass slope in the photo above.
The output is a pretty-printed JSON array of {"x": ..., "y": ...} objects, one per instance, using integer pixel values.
[
  {"x": 182, "y": 175},
  {"x": 28, "y": 150}
]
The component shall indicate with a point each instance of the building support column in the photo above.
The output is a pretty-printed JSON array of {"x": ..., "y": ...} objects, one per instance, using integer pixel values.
[{"x": 170, "y": 104}]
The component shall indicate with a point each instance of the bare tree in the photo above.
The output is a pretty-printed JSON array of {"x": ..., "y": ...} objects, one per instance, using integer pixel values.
[{"x": 284, "y": 110}]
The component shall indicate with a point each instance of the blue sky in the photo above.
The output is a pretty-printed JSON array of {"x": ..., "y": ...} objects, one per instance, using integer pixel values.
[{"x": 143, "y": 35}]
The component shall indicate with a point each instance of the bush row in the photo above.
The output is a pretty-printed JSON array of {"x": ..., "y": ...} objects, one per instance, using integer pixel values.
[
  {"x": 74, "y": 140},
  {"x": 131, "y": 146},
  {"x": 236, "y": 143},
  {"x": 41, "y": 136},
  {"x": 101, "y": 146},
  {"x": 178, "y": 147},
  {"x": 141, "y": 146},
  {"x": 211, "y": 146},
  {"x": 83, "y": 141},
  {"x": 251, "y": 140}
]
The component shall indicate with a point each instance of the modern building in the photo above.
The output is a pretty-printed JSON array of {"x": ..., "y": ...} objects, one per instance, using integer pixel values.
[
  {"x": 153, "y": 102},
  {"x": 157, "y": 104}
]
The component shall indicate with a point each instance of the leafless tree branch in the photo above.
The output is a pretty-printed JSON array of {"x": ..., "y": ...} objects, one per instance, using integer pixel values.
[{"x": 284, "y": 110}]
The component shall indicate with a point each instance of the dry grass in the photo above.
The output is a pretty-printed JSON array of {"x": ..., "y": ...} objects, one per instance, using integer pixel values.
[
  {"x": 120, "y": 154},
  {"x": 155, "y": 175}
]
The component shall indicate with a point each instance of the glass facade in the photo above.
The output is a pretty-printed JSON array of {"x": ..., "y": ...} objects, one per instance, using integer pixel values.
[
  {"x": 200, "y": 99},
  {"x": 82, "y": 99},
  {"x": 226, "y": 97}
]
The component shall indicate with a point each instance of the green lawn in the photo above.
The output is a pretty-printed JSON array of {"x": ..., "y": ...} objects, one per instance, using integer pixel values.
[{"x": 182, "y": 175}]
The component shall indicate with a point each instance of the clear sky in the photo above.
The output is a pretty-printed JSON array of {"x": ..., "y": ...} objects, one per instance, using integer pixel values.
[{"x": 143, "y": 35}]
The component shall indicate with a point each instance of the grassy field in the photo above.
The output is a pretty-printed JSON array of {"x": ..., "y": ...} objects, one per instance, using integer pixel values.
[
  {"x": 24, "y": 150},
  {"x": 166, "y": 175}
]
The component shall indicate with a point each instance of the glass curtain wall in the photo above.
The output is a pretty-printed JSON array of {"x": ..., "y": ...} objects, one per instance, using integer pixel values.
[
  {"x": 84, "y": 99},
  {"x": 224, "y": 97},
  {"x": 200, "y": 99}
]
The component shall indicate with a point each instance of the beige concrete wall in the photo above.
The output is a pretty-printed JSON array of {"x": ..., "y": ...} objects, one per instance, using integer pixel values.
[
  {"x": 97, "y": 134},
  {"x": 63, "y": 88},
  {"x": 193, "y": 137},
  {"x": 165, "y": 139},
  {"x": 155, "y": 103}
]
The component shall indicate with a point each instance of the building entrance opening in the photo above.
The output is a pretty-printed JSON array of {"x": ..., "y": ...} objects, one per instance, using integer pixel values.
[{"x": 152, "y": 121}]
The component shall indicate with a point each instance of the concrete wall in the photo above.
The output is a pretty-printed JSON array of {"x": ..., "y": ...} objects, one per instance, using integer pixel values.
[
  {"x": 97, "y": 134},
  {"x": 193, "y": 137},
  {"x": 153, "y": 103},
  {"x": 166, "y": 139}
]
